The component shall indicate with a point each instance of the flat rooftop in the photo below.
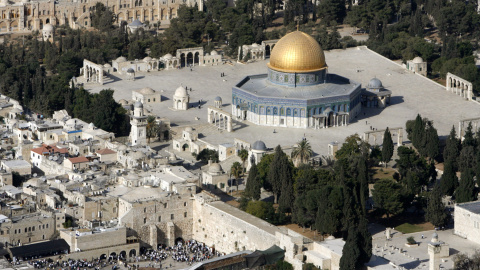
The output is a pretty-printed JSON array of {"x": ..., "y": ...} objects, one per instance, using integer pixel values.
[
  {"x": 260, "y": 86},
  {"x": 473, "y": 207},
  {"x": 412, "y": 94}
]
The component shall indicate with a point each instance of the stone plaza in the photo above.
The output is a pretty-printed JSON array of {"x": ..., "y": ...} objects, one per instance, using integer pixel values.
[{"x": 412, "y": 94}]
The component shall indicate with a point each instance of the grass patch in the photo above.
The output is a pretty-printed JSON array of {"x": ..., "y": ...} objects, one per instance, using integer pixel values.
[{"x": 409, "y": 228}]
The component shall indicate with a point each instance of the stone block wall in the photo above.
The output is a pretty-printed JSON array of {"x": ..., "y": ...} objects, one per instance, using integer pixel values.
[
  {"x": 227, "y": 232},
  {"x": 467, "y": 223}
]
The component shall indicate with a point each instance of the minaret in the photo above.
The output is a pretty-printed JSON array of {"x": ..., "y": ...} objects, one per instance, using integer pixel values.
[
  {"x": 138, "y": 120},
  {"x": 436, "y": 251}
]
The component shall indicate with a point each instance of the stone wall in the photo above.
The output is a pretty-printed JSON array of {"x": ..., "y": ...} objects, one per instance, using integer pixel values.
[
  {"x": 467, "y": 223},
  {"x": 230, "y": 231},
  {"x": 140, "y": 215}
]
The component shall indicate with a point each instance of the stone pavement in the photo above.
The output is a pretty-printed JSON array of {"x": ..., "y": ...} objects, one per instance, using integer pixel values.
[
  {"x": 412, "y": 94},
  {"x": 417, "y": 257}
]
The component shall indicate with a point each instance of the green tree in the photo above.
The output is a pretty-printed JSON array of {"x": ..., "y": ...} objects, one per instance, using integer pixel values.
[
  {"x": 351, "y": 254},
  {"x": 350, "y": 147},
  {"x": 452, "y": 149},
  {"x": 253, "y": 187},
  {"x": 466, "y": 191},
  {"x": 468, "y": 138},
  {"x": 208, "y": 154},
  {"x": 236, "y": 170},
  {"x": 301, "y": 152},
  {"x": 387, "y": 147},
  {"x": 449, "y": 180},
  {"x": 102, "y": 17},
  {"x": 275, "y": 176},
  {"x": 432, "y": 142},
  {"x": 152, "y": 128},
  {"x": 388, "y": 196},
  {"x": 243, "y": 154},
  {"x": 261, "y": 209},
  {"x": 436, "y": 213},
  {"x": 462, "y": 261}
]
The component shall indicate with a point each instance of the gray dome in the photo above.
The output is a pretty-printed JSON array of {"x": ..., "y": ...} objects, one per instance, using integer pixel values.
[
  {"x": 417, "y": 60},
  {"x": 168, "y": 56},
  {"x": 121, "y": 59},
  {"x": 259, "y": 145},
  {"x": 217, "y": 98},
  {"x": 215, "y": 168},
  {"x": 47, "y": 27},
  {"x": 138, "y": 104},
  {"x": 181, "y": 92},
  {"x": 214, "y": 52},
  {"x": 130, "y": 70},
  {"x": 375, "y": 83}
]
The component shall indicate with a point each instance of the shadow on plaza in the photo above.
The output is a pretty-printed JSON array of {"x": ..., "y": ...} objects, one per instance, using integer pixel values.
[
  {"x": 370, "y": 112},
  {"x": 113, "y": 79},
  {"x": 414, "y": 264}
]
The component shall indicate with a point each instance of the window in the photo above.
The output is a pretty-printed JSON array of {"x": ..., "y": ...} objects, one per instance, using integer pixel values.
[
  {"x": 144, "y": 220},
  {"x": 185, "y": 204},
  {"x": 165, "y": 205},
  {"x": 171, "y": 216},
  {"x": 159, "y": 219},
  {"x": 185, "y": 214},
  {"x": 144, "y": 210},
  {"x": 47, "y": 224}
]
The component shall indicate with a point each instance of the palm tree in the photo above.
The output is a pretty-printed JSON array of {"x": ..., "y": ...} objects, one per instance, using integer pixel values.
[
  {"x": 236, "y": 170},
  {"x": 152, "y": 129},
  {"x": 243, "y": 154},
  {"x": 301, "y": 152}
]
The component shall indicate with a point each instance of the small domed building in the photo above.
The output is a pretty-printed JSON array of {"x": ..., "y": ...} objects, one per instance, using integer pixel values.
[
  {"x": 146, "y": 95},
  {"x": 181, "y": 99},
  {"x": 256, "y": 152},
  {"x": 297, "y": 90},
  {"x": 375, "y": 95},
  {"x": 417, "y": 65},
  {"x": 215, "y": 176},
  {"x": 48, "y": 31}
]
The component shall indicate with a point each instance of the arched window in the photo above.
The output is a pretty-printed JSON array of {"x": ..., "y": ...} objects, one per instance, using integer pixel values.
[
  {"x": 275, "y": 111},
  {"x": 289, "y": 112},
  {"x": 282, "y": 111}
]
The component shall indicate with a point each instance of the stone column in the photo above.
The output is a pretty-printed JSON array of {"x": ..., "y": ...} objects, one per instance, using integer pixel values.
[
  {"x": 229, "y": 124},
  {"x": 400, "y": 137}
]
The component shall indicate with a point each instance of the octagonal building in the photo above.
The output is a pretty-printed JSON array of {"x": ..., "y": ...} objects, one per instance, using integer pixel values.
[{"x": 297, "y": 90}]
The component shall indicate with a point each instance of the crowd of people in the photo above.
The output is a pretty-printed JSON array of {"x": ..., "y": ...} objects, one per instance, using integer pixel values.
[{"x": 188, "y": 252}]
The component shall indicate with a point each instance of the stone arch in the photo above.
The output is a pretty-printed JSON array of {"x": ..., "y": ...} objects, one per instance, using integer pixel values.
[
  {"x": 132, "y": 253},
  {"x": 113, "y": 256},
  {"x": 183, "y": 59},
  {"x": 196, "y": 58},
  {"x": 189, "y": 59},
  {"x": 123, "y": 254}
]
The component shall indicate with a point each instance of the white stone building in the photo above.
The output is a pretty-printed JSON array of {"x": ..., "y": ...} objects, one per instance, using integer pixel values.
[
  {"x": 138, "y": 120},
  {"x": 417, "y": 65},
  {"x": 181, "y": 99},
  {"x": 467, "y": 221},
  {"x": 146, "y": 96}
]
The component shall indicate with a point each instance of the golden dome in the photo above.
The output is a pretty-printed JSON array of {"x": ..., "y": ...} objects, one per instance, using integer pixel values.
[{"x": 297, "y": 52}]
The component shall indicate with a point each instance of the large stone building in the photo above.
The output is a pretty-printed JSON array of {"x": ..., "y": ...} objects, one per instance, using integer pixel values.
[
  {"x": 23, "y": 15},
  {"x": 467, "y": 221},
  {"x": 297, "y": 91}
]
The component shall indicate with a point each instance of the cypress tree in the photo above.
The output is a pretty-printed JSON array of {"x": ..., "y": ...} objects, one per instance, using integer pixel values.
[
  {"x": 435, "y": 209},
  {"x": 252, "y": 189},
  {"x": 418, "y": 136},
  {"x": 449, "y": 180},
  {"x": 466, "y": 190},
  {"x": 287, "y": 197},
  {"x": 351, "y": 254},
  {"x": 387, "y": 148},
  {"x": 452, "y": 149},
  {"x": 274, "y": 173},
  {"x": 432, "y": 142},
  {"x": 468, "y": 139}
]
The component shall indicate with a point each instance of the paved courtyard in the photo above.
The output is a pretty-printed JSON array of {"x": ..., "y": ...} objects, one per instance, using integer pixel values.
[
  {"x": 412, "y": 94},
  {"x": 417, "y": 257}
]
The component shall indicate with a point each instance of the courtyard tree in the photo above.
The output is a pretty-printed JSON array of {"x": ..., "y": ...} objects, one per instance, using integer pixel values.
[
  {"x": 468, "y": 138},
  {"x": 236, "y": 170},
  {"x": 449, "y": 180},
  {"x": 243, "y": 155},
  {"x": 452, "y": 149},
  {"x": 301, "y": 152},
  {"x": 102, "y": 17},
  {"x": 388, "y": 196},
  {"x": 351, "y": 254},
  {"x": 253, "y": 186},
  {"x": 387, "y": 147},
  {"x": 436, "y": 213},
  {"x": 432, "y": 142},
  {"x": 278, "y": 172},
  {"x": 152, "y": 128},
  {"x": 466, "y": 191},
  {"x": 207, "y": 154}
]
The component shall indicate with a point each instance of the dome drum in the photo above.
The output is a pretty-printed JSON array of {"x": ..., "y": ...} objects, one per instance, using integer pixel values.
[{"x": 297, "y": 79}]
